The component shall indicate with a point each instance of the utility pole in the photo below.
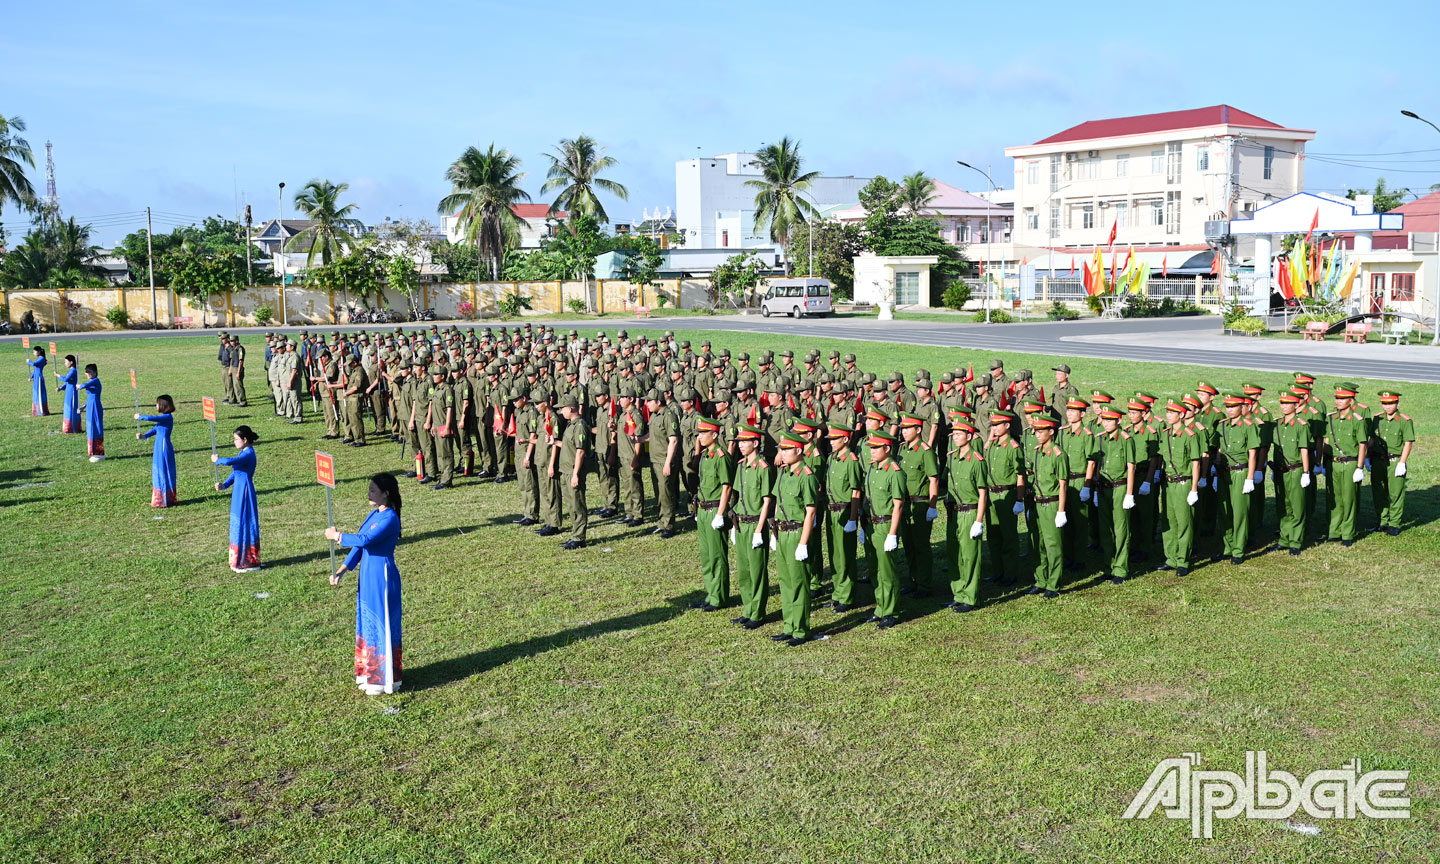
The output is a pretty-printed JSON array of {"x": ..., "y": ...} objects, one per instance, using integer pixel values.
[
  {"x": 280, "y": 251},
  {"x": 249, "y": 279},
  {"x": 150, "y": 265}
]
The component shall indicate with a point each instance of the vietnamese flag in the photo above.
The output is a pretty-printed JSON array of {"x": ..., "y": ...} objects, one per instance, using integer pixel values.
[
  {"x": 969, "y": 374},
  {"x": 1314, "y": 223},
  {"x": 1283, "y": 282},
  {"x": 1072, "y": 265},
  {"x": 1215, "y": 264},
  {"x": 1116, "y": 224},
  {"x": 1165, "y": 267}
]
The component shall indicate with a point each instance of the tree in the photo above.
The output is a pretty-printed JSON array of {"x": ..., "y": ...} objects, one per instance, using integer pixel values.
[
  {"x": 575, "y": 169},
  {"x": 15, "y": 153},
  {"x": 642, "y": 264},
  {"x": 462, "y": 261},
  {"x": 330, "y": 235},
  {"x": 485, "y": 187},
  {"x": 360, "y": 271},
  {"x": 835, "y": 247},
  {"x": 57, "y": 254},
  {"x": 890, "y": 230},
  {"x": 916, "y": 192},
  {"x": 214, "y": 235},
  {"x": 735, "y": 277},
  {"x": 404, "y": 247},
  {"x": 27, "y": 266},
  {"x": 778, "y": 204},
  {"x": 1386, "y": 199}
]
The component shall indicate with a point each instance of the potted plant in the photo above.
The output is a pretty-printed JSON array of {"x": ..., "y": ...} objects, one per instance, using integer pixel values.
[{"x": 885, "y": 291}]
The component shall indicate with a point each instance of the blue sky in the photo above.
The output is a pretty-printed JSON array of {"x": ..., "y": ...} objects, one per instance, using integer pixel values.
[{"x": 189, "y": 107}]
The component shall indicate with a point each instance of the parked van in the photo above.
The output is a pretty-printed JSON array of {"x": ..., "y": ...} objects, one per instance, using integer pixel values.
[{"x": 796, "y": 297}]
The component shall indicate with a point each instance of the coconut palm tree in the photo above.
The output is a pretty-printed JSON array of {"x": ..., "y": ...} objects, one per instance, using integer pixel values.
[
  {"x": 575, "y": 168},
  {"x": 916, "y": 192},
  {"x": 484, "y": 189},
  {"x": 14, "y": 154},
  {"x": 778, "y": 204},
  {"x": 330, "y": 234}
]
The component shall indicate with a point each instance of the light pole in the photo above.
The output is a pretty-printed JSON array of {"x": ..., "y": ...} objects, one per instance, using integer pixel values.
[
  {"x": 1434, "y": 340},
  {"x": 280, "y": 233},
  {"x": 810, "y": 230},
  {"x": 989, "y": 233}
]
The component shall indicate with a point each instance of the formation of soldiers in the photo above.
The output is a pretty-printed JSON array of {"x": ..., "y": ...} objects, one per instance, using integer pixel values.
[{"x": 813, "y": 462}]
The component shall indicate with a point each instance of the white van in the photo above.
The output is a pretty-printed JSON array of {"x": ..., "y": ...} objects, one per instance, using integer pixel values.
[{"x": 796, "y": 297}]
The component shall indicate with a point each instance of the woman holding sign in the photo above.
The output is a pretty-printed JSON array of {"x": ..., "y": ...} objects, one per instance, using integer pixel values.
[
  {"x": 377, "y": 613},
  {"x": 94, "y": 414},
  {"x": 68, "y": 381},
  {"x": 162, "y": 465},
  {"x": 244, "y": 510},
  {"x": 39, "y": 393}
]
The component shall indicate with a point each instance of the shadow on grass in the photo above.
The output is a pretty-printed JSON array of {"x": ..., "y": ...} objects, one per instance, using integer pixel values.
[{"x": 444, "y": 672}]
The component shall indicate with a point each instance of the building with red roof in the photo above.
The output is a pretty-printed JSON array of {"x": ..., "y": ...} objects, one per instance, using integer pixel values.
[{"x": 536, "y": 221}]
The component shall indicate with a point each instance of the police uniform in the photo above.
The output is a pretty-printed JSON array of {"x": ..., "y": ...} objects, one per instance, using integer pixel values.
[
  {"x": 843, "y": 478},
  {"x": 1238, "y": 440},
  {"x": 1180, "y": 454},
  {"x": 754, "y": 496},
  {"x": 796, "y": 496},
  {"x": 1347, "y": 439},
  {"x": 922, "y": 472},
  {"x": 715, "y": 478},
  {"x": 884, "y": 487},
  {"x": 1390, "y": 434},
  {"x": 967, "y": 485},
  {"x": 527, "y": 445},
  {"x": 570, "y": 473}
]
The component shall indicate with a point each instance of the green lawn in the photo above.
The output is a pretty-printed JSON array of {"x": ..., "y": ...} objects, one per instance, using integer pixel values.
[{"x": 567, "y": 707}]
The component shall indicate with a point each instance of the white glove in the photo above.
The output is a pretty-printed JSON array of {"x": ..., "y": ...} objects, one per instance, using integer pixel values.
[
  {"x": 732, "y": 535},
  {"x": 1304, "y": 480},
  {"x": 757, "y": 540},
  {"x": 1084, "y": 493},
  {"x": 1145, "y": 488},
  {"x": 860, "y": 536},
  {"x": 1019, "y": 508},
  {"x": 1399, "y": 469},
  {"x": 1060, "y": 519},
  {"x": 802, "y": 552},
  {"x": 1249, "y": 485},
  {"x": 1359, "y": 475},
  {"x": 931, "y": 514},
  {"x": 1260, "y": 476},
  {"x": 1320, "y": 470},
  {"x": 1128, "y": 503},
  {"x": 718, "y": 522},
  {"x": 773, "y": 547},
  {"x": 1204, "y": 482},
  {"x": 850, "y": 527},
  {"x": 976, "y": 529},
  {"x": 1192, "y": 497},
  {"x": 891, "y": 542}
]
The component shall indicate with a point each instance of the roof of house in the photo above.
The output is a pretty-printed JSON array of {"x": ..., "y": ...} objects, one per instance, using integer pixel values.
[
  {"x": 1166, "y": 121},
  {"x": 948, "y": 201},
  {"x": 535, "y": 211}
]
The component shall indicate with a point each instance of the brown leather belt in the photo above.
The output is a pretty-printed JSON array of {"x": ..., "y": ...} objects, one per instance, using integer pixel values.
[
  {"x": 783, "y": 525},
  {"x": 960, "y": 508},
  {"x": 836, "y": 508},
  {"x": 1079, "y": 475},
  {"x": 1102, "y": 483},
  {"x": 1286, "y": 468},
  {"x": 919, "y": 499},
  {"x": 748, "y": 520},
  {"x": 1176, "y": 478},
  {"x": 1238, "y": 467},
  {"x": 1046, "y": 499},
  {"x": 708, "y": 505},
  {"x": 1343, "y": 458},
  {"x": 879, "y": 520},
  {"x": 1002, "y": 489}
]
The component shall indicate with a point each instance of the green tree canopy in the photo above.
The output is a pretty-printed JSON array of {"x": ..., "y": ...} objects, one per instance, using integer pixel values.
[
  {"x": 485, "y": 187},
  {"x": 15, "y": 187},
  {"x": 836, "y": 245},
  {"x": 891, "y": 229},
  {"x": 778, "y": 202},
  {"x": 331, "y": 234},
  {"x": 1386, "y": 199},
  {"x": 575, "y": 168}
]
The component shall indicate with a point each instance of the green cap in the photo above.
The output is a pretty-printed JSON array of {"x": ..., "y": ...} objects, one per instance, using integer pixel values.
[{"x": 569, "y": 401}]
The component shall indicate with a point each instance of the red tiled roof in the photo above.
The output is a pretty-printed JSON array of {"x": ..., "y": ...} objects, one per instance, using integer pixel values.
[
  {"x": 1142, "y": 124},
  {"x": 536, "y": 211}
]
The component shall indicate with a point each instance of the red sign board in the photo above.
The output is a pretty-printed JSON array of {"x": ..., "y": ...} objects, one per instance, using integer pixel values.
[
  {"x": 133, "y": 385},
  {"x": 52, "y": 349},
  {"x": 26, "y": 341},
  {"x": 208, "y": 405},
  {"x": 325, "y": 469}
]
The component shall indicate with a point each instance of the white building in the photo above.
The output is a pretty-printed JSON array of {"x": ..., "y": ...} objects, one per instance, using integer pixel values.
[
  {"x": 1157, "y": 178},
  {"x": 714, "y": 209},
  {"x": 535, "y": 224},
  {"x": 962, "y": 216}
]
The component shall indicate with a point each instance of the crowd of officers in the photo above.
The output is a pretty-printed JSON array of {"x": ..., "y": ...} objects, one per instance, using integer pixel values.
[{"x": 813, "y": 461}]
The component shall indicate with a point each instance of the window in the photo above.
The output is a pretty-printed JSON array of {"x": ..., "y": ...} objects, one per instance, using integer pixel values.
[
  {"x": 1032, "y": 172},
  {"x": 725, "y": 238},
  {"x": 1202, "y": 157},
  {"x": 1402, "y": 287},
  {"x": 907, "y": 288},
  {"x": 1157, "y": 212},
  {"x": 1172, "y": 162},
  {"x": 1122, "y": 165},
  {"x": 1157, "y": 161},
  {"x": 1087, "y": 169},
  {"x": 1032, "y": 219},
  {"x": 1269, "y": 162},
  {"x": 1054, "y": 220},
  {"x": 1055, "y": 172},
  {"x": 1122, "y": 213},
  {"x": 1172, "y": 212},
  {"x": 1087, "y": 216}
]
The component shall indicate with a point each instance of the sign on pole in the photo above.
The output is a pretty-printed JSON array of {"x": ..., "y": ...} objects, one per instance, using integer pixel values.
[
  {"x": 52, "y": 349},
  {"x": 25, "y": 340},
  {"x": 136, "y": 387},
  {"x": 207, "y": 405},
  {"x": 325, "y": 476}
]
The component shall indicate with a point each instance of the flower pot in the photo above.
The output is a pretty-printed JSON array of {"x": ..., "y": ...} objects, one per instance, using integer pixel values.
[{"x": 887, "y": 312}]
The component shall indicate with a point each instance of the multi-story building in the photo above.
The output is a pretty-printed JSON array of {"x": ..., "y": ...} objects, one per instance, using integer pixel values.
[
  {"x": 1156, "y": 178},
  {"x": 536, "y": 223},
  {"x": 714, "y": 209}
]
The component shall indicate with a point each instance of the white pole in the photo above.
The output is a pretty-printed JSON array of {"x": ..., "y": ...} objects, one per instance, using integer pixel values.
[
  {"x": 279, "y": 222},
  {"x": 150, "y": 265}
]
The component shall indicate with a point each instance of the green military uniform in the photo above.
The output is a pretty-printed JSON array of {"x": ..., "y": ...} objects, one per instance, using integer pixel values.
[
  {"x": 607, "y": 459},
  {"x": 1146, "y": 434},
  {"x": 687, "y": 422},
  {"x": 1079, "y": 449},
  {"x": 1049, "y": 472},
  {"x": 527, "y": 447},
  {"x": 1113, "y": 455},
  {"x": 843, "y": 477},
  {"x": 1236, "y": 439},
  {"x": 574, "y": 444},
  {"x": 1388, "y": 437},
  {"x": 754, "y": 483},
  {"x": 631, "y": 430},
  {"x": 664, "y": 427},
  {"x": 1005, "y": 464},
  {"x": 237, "y": 373},
  {"x": 1345, "y": 434},
  {"x": 1265, "y": 428},
  {"x": 355, "y": 384},
  {"x": 548, "y": 484},
  {"x": 1179, "y": 453},
  {"x": 501, "y": 418},
  {"x": 796, "y": 488},
  {"x": 1063, "y": 394},
  {"x": 440, "y": 457},
  {"x": 1292, "y": 439},
  {"x": 920, "y": 465},
  {"x": 715, "y": 472},
  {"x": 884, "y": 485},
  {"x": 966, "y": 476},
  {"x": 404, "y": 388}
]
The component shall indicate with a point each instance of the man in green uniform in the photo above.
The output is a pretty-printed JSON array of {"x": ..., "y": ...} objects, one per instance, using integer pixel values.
[
  {"x": 1064, "y": 392},
  {"x": 227, "y": 388},
  {"x": 547, "y": 451},
  {"x": 1005, "y": 465},
  {"x": 664, "y": 446},
  {"x": 688, "y": 422},
  {"x": 1290, "y": 461},
  {"x": 967, "y": 490},
  {"x": 1180, "y": 452},
  {"x": 1049, "y": 482},
  {"x": 1147, "y": 441},
  {"x": 1236, "y": 454},
  {"x": 715, "y": 478},
  {"x": 355, "y": 384},
  {"x": 1264, "y": 423},
  {"x": 416, "y": 385},
  {"x": 754, "y": 499},
  {"x": 1347, "y": 440},
  {"x": 631, "y": 433},
  {"x": 237, "y": 372},
  {"x": 922, "y": 479},
  {"x": 527, "y": 441},
  {"x": 465, "y": 432},
  {"x": 844, "y": 487},
  {"x": 1392, "y": 438},
  {"x": 796, "y": 493},
  {"x": 886, "y": 496},
  {"x": 1209, "y": 415},
  {"x": 607, "y": 457},
  {"x": 502, "y": 425},
  {"x": 570, "y": 469},
  {"x": 439, "y": 427},
  {"x": 1111, "y": 479},
  {"x": 1078, "y": 441}
]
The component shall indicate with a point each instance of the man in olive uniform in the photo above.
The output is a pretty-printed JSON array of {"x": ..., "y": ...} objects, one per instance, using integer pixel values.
[
  {"x": 844, "y": 486},
  {"x": 1147, "y": 441},
  {"x": 1077, "y": 439},
  {"x": 291, "y": 404},
  {"x": 1049, "y": 481},
  {"x": 1347, "y": 439},
  {"x": 796, "y": 494},
  {"x": 570, "y": 471},
  {"x": 1392, "y": 438},
  {"x": 1110, "y": 480},
  {"x": 1209, "y": 415},
  {"x": 1064, "y": 392},
  {"x": 664, "y": 448},
  {"x": 547, "y": 451},
  {"x": 402, "y": 384},
  {"x": 1005, "y": 463},
  {"x": 922, "y": 479},
  {"x": 1180, "y": 453},
  {"x": 330, "y": 391},
  {"x": 632, "y": 431},
  {"x": 715, "y": 479},
  {"x": 527, "y": 442},
  {"x": 886, "y": 496},
  {"x": 355, "y": 385},
  {"x": 440, "y": 419},
  {"x": 1264, "y": 423},
  {"x": 1290, "y": 461},
  {"x": 1237, "y": 454},
  {"x": 754, "y": 496},
  {"x": 966, "y": 495},
  {"x": 227, "y": 387},
  {"x": 607, "y": 459},
  {"x": 688, "y": 424},
  {"x": 273, "y": 351},
  {"x": 237, "y": 372}
]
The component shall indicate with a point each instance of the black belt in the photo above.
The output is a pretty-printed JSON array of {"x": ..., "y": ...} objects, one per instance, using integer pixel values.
[
  {"x": 748, "y": 520},
  {"x": 1343, "y": 458},
  {"x": 919, "y": 499},
  {"x": 879, "y": 520},
  {"x": 1046, "y": 499},
  {"x": 789, "y": 526},
  {"x": 1238, "y": 467},
  {"x": 1076, "y": 476},
  {"x": 836, "y": 508},
  {"x": 1176, "y": 478},
  {"x": 1102, "y": 483},
  {"x": 1286, "y": 468},
  {"x": 960, "y": 508},
  {"x": 708, "y": 505},
  {"x": 1002, "y": 489}
]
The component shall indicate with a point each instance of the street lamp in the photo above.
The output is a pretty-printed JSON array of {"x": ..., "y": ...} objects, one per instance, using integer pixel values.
[
  {"x": 1435, "y": 340},
  {"x": 989, "y": 233},
  {"x": 280, "y": 233}
]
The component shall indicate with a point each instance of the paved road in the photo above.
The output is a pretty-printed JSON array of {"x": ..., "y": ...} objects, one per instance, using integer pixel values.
[{"x": 1155, "y": 340}]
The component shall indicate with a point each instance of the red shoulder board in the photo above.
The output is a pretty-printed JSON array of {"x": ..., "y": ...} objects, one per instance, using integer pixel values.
[
  {"x": 1124, "y": 434},
  {"x": 1404, "y": 416},
  {"x": 1189, "y": 432}
]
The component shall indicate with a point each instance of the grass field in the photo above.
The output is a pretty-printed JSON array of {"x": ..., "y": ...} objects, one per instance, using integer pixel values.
[{"x": 567, "y": 707}]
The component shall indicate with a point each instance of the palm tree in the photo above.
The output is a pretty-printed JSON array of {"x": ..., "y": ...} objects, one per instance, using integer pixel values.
[
  {"x": 14, "y": 150},
  {"x": 71, "y": 247},
  {"x": 484, "y": 189},
  {"x": 778, "y": 204},
  {"x": 329, "y": 234},
  {"x": 27, "y": 266},
  {"x": 916, "y": 192},
  {"x": 575, "y": 168}
]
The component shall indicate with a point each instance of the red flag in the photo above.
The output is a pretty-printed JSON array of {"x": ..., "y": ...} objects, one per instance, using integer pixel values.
[
  {"x": 1025, "y": 260},
  {"x": 969, "y": 374},
  {"x": 1113, "y": 226},
  {"x": 1314, "y": 223},
  {"x": 1072, "y": 265},
  {"x": 1112, "y": 266},
  {"x": 1283, "y": 283},
  {"x": 1165, "y": 267},
  {"x": 1215, "y": 264}
]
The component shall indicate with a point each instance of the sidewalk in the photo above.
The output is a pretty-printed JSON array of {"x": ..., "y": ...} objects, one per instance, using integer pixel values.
[{"x": 1330, "y": 349}]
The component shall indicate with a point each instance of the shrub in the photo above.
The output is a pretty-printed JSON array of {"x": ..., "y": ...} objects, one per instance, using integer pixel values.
[
  {"x": 1139, "y": 306},
  {"x": 1235, "y": 311},
  {"x": 1060, "y": 312},
  {"x": 1094, "y": 303},
  {"x": 512, "y": 304},
  {"x": 1246, "y": 325},
  {"x": 997, "y": 316},
  {"x": 263, "y": 314},
  {"x": 117, "y": 316},
  {"x": 956, "y": 294},
  {"x": 466, "y": 309},
  {"x": 661, "y": 299},
  {"x": 576, "y": 305}
]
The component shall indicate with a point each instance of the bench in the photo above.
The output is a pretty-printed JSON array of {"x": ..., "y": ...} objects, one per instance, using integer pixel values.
[
  {"x": 1358, "y": 331},
  {"x": 1315, "y": 330},
  {"x": 642, "y": 311},
  {"x": 1400, "y": 333},
  {"x": 182, "y": 321}
]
